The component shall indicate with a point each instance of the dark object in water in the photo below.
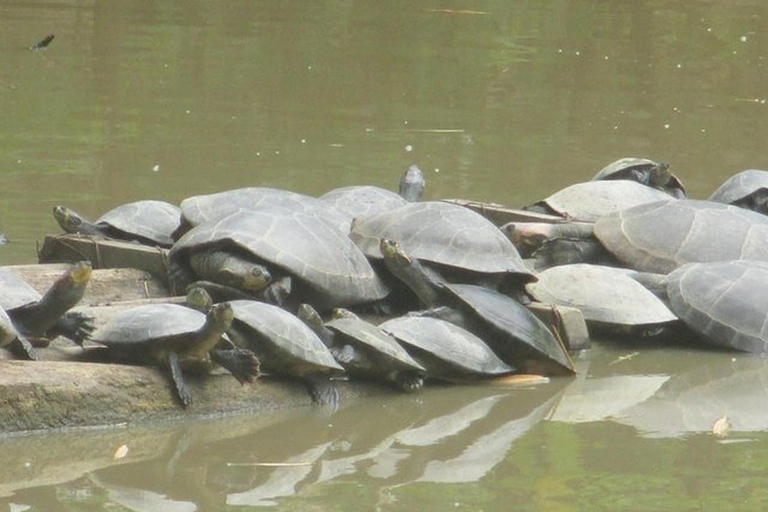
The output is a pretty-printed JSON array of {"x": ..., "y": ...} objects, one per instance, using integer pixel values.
[{"x": 42, "y": 44}]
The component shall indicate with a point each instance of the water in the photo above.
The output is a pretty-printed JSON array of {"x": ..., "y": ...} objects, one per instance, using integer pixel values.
[{"x": 167, "y": 99}]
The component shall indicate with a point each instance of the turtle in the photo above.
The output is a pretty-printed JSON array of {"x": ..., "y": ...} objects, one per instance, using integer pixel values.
[
  {"x": 412, "y": 184},
  {"x": 644, "y": 171},
  {"x": 725, "y": 301},
  {"x": 364, "y": 350},
  {"x": 324, "y": 266},
  {"x": 362, "y": 200},
  {"x": 47, "y": 316},
  {"x": 459, "y": 243},
  {"x": 447, "y": 351},
  {"x": 179, "y": 339},
  {"x": 286, "y": 347},
  {"x": 588, "y": 201},
  {"x": 659, "y": 237},
  {"x": 509, "y": 328},
  {"x": 13, "y": 340},
  {"x": 149, "y": 222},
  {"x": 200, "y": 209},
  {"x": 609, "y": 298},
  {"x": 746, "y": 189}
]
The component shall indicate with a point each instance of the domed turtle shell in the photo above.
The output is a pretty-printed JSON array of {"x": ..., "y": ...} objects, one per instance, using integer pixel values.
[
  {"x": 360, "y": 201},
  {"x": 149, "y": 221},
  {"x": 510, "y": 329},
  {"x": 659, "y": 237},
  {"x": 591, "y": 200},
  {"x": 282, "y": 342},
  {"x": 149, "y": 323},
  {"x": 603, "y": 294},
  {"x": 441, "y": 233},
  {"x": 644, "y": 171},
  {"x": 197, "y": 210},
  {"x": 324, "y": 258},
  {"x": 384, "y": 349},
  {"x": 741, "y": 186},
  {"x": 446, "y": 350},
  {"x": 726, "y": 301}
]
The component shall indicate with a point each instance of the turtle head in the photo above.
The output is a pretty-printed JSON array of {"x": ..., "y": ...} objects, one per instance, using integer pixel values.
[
  {"x": 69, "y": 288},
  {"x": 392, "y": 252},
  {"x": 80, "y": 273},
  {"x": 309, "y": 316},
  {"x": 69, "y": 220},
  {"x": 243, "y": 274},
  {"x": 342, "y": 313},
  {"x": 198, "y": 298},
  {"x": 221, "y": 315},
  {"x": 659, "y": 175}
]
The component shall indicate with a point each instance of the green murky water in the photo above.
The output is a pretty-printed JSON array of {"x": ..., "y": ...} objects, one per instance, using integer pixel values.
[{"x": 496, "y": 101}]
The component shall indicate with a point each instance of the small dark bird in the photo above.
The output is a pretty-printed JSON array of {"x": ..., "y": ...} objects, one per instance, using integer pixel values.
[{"x": 42, "y": 44}]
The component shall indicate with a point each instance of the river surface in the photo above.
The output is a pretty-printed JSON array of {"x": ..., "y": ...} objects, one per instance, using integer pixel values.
[{"x": 494, "y": 100}]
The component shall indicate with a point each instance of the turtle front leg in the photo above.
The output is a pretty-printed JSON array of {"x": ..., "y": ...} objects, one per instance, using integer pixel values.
[
  {"x": 74, "y": 325},
  {"x": 322, "y": 390},
  {"x": 182, "y": 392},
  {"x": 240, "y": 362}
]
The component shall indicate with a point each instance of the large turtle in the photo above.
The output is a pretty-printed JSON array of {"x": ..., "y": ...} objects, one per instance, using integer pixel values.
[
  {"x": 644, "y": 171},
  {"x": 177, "y": 338},
  {"x": 725, "y": 301},
  {"x": 197, "y": 210},
  {"x": 286, "y": 347},
  {"x": 590, "y": 200},
  {"x": 659, "y": 237},
  {"x": 509, "y": 328},
  {"x": 326, "y": 268},
  {"x": 609, "y": 298},
  {"x": 362, "y": 200},
  {"x": 364, "y": 350},
  {"x": 149, "y": 222},
  {"x": 460, "y": 243},
  {"x": 48, "y": 316},
  {"x": 746, "y": 189},
  {"x": 447, "y": 351}
]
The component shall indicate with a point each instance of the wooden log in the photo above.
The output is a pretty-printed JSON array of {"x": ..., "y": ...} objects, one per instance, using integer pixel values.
[
  {"x": 104, "y": 253},
  {"x": 500, "y": 214}
]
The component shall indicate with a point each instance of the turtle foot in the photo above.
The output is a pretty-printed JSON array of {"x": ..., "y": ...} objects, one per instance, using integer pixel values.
[
  {"x": 240, "y": 362},
  {"x": 76, "y": 326},
  {"x": 323, "y": 391}
]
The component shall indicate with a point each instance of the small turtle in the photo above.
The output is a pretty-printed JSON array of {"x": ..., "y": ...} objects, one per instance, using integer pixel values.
[
  {"x": 412, "y": 184},
  {"x": 148, "y": 222},
  {"x": 509, "y": 328},
  {"x": 659, "y": 237},
  {"x": 447, "y": 351},
  {"x": 324, "y": 266},
  {"x": 609, "y": 298},
  {"x": 746, "y": 189},
  {"x": 286, "y": 347},
  {"x": 588, "y": 201},
  {"x": 179, "y": 339},
  {"x": 48, "y": 316},
  {"x": 725, "y": 301},
  {"x": 646, "y": 172},
  {"x": 364, "y": 350}
]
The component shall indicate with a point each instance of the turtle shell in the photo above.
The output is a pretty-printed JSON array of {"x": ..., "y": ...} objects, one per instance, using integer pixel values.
[
  {"x": 603, "y": 294},
  {"x": 150, "y": 323},
  {"x": 197, "y": 210},
  {"x": 644, "y": 171},
  {"x": 591, "y": 200},
  {"x": 441, "y": 233},
  {"x": 725, "y": 301},
  {"x": 8, "y": 332},
  {"x": 459, "y": 353},
  {"x": 149, "y": 221},
  {"x": 740, "y": 186},
  {"x": 659, "y": 237},
  {"x": 511, "y": 330},
  {"x": 282, "y": 342},
  {"x": 384, "y": 349},
  {"x": 324, "y": 258},
  {"x": 14, "y": 291},
  {"x": 360, "y": 201}
]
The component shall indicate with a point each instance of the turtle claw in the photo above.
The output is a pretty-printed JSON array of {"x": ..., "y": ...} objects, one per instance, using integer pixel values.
[
  {"x": 76, "y": 326},
  {"x": 240, "y": 362},
  {"x": 182, "y": 392}
]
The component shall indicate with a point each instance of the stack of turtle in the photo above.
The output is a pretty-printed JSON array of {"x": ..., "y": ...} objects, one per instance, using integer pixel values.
[{"x": 455, "y": 284}]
